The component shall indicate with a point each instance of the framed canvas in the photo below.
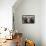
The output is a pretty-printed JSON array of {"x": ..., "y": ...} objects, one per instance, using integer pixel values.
[{"x": 28, "y": 19}]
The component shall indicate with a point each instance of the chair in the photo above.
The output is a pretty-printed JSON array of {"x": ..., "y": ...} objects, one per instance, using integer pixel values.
[{"x": 29, "y": 43}]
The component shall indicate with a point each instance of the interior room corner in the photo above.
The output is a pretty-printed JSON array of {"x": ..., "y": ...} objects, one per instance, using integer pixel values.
[{"x": 22, "y": 22}]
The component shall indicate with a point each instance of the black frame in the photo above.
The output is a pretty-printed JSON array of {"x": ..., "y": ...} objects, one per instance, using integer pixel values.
[{"x": 28, "y": 19}]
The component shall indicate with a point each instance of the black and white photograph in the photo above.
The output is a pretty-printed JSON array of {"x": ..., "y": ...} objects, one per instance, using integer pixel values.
[{"x": 28, "y": 19}]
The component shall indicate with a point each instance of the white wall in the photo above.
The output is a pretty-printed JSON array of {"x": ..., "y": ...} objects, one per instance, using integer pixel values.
[
  {"x": 43, "y": 22},
  {"x": 6, "y": 13},
  {"x": 31, "y": 31}
]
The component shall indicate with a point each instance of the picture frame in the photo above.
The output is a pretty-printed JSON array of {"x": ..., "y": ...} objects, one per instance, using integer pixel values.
[{"x": 28, "y": 19}]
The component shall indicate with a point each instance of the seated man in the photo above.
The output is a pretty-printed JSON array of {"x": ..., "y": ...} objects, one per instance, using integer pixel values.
[{"x": 18, "y": 39}]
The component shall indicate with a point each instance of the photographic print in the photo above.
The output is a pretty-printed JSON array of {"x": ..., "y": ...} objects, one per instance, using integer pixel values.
[{"x": 28, "y": 19}]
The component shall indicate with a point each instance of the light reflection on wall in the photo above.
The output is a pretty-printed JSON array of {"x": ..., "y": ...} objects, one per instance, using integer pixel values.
[{"x": 6, "y": 13}]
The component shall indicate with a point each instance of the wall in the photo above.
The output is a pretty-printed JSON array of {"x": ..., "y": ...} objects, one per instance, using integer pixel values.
[
  {"x": 43, "y": 22},
  {"x": 30, "y": 31},
  {"x": 6, "y": 13}
]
